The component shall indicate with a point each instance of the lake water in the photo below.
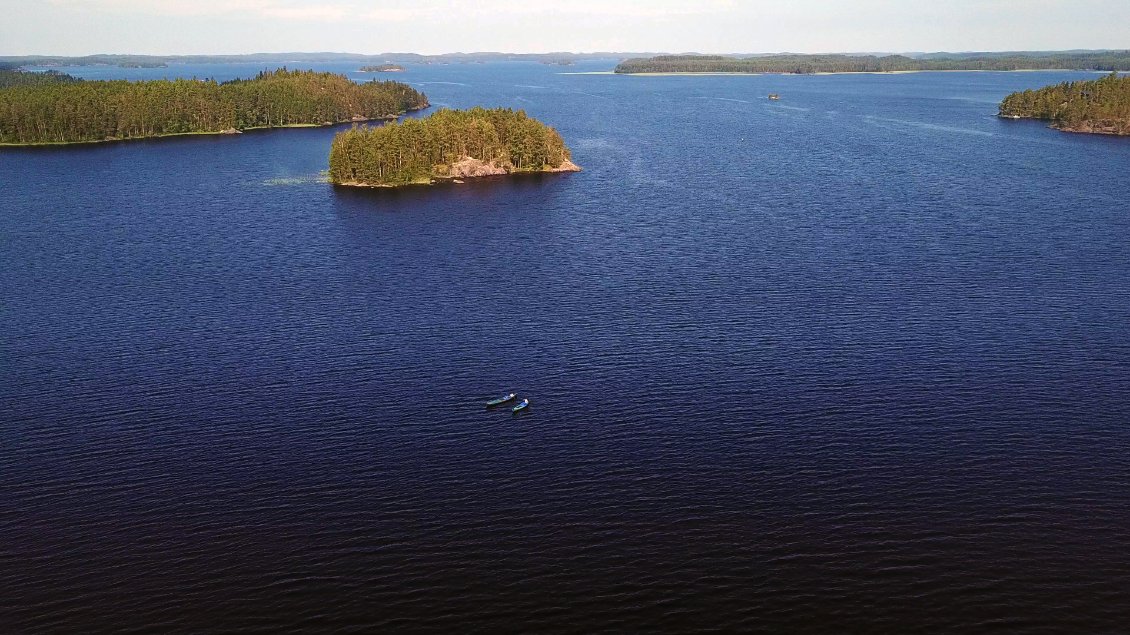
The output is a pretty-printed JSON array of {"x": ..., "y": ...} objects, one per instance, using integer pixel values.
[{"x": 853, "y": 361}]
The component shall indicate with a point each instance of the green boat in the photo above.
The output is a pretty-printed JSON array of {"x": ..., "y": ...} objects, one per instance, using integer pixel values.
[
  {"x": 525, "y": 403},
  {"x": 501, "y": 400}
]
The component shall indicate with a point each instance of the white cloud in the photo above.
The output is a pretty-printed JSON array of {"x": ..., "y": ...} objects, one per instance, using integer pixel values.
[
  {"x": 338, "y": 11},
  {"x": 435, "y": 26},
  {"x": 164, "y": 7}
]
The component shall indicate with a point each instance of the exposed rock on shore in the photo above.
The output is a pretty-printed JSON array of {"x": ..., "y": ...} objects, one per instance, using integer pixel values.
[
  {"x": 472, "y": 168},
  {"x": 469, "y": 168}
]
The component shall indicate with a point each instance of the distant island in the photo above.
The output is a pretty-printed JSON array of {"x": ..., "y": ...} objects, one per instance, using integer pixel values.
[
  {"x": 639, "y": 61},
  {"x": 808, "y": 64},
  {"x": 279, "y": 59},
  {"x": 383, "y": 68},
  {"x": 37, "y": 108},
  {"x": 1100, "y": 106},
  {"x": 448, "y": 145}
]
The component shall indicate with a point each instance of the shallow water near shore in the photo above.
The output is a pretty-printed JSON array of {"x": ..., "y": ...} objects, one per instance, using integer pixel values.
[{"x": 853, "y": 361}]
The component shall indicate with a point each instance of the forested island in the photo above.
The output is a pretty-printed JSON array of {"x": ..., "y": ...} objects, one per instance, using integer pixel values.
[
  {"x": 51, "y": 110},
  {"x": 807, "y": 64},
  {"x": 383, "y": 68},
  {"x": 1100, "y": 106},
  {"x": 450, "y": 144}
]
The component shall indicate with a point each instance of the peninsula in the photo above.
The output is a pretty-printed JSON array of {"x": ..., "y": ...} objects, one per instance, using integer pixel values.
[
  {"x": 1100, "y": 106},
  {"x": 59, "y": 109},
  {"x": 448, "y": 145},
  {"x": 808, "y": 64},
  {"x": 383, "y": 68}
]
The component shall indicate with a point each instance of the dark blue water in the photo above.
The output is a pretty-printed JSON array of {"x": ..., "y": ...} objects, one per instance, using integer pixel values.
[{"x": 854, "y": 361}]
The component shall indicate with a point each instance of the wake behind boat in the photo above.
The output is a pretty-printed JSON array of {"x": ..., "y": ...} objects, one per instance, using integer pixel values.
[{"x": 501, "y": 400}]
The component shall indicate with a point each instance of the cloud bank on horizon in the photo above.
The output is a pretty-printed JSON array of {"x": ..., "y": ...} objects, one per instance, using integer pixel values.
[{"x": 78, "y": 27}]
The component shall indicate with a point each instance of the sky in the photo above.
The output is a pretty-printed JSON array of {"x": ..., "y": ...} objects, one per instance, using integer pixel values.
[{"x": 82, "y": 27}]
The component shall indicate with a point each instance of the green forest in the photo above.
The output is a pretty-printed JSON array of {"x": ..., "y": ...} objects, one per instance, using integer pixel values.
[
  {"x": 60, "y": 111},
  {"x": 804, "y": 64},
  {"x": 420, "y": 150},
  {"x": 13, "y": 77},
  {"x": 1099, "y": 106}
]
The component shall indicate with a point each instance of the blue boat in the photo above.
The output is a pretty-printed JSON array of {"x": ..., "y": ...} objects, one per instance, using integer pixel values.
[
  {"x": 501, "y": 400},
  {"x": 525, "y": 403}
]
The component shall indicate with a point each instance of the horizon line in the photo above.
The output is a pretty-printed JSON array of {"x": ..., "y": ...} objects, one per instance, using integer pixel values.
[{"x": 591, "y": 53}]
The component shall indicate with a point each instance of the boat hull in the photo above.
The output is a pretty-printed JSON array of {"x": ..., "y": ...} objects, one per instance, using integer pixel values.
[{"x": 501, "y": 400}]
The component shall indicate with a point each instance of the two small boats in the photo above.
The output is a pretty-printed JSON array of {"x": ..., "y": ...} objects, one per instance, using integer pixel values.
[{"x": 522, "y": 405}]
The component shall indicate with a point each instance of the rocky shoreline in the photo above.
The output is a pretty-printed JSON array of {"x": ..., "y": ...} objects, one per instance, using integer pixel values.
[
  {"x": 472, "y": 168},
  {"x": 1103, "y": 127},
  {"x": 1112, "y": 128}
]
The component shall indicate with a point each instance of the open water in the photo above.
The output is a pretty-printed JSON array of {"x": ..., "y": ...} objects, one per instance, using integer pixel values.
[{"x": 853, "y": 361}]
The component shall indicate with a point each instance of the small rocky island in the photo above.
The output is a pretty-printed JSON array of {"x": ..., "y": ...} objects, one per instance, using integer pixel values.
[
  {"x": 383, "y": 68},
  {"x": 448, "y": 145},
  {"x": 1100, "y": 106}
]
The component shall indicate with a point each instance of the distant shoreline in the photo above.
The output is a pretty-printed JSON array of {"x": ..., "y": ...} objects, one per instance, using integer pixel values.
[
  {"x": 740, "y": 73},
  {"x": 806, "y": 64}
]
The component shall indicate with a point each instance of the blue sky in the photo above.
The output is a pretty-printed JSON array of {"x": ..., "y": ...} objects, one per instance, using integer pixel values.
[{"x": 77, "y": 27}]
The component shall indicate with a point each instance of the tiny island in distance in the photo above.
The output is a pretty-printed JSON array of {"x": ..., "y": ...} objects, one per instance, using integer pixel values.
[
  {"x": 448, "y": 145},
  {"x": 383, "y": 68}
]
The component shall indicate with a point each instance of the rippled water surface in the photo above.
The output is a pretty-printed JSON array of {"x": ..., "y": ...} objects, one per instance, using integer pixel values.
[{"x": 854, "y": 361}]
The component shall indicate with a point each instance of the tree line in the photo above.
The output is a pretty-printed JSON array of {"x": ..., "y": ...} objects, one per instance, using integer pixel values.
[
  {"x": 1101, "y": 105},
  {"x": 14, "y": 77},
  {"x": 66, "y": 112},
  {"x": 418, "y": 150},
  {"x": 804, "y": 64}
]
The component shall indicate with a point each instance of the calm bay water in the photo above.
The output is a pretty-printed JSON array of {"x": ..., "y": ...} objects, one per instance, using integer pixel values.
[{"x": 854, "y": 361}]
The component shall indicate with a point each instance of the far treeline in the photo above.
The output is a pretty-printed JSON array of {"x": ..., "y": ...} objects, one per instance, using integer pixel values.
[
  {"x": 1100, "y": 106},
  {"x": 805, "y": 64},
  {"x": 278, "y": 59},
  {"x": 504, "y": 141},
  {"x": 59, "y": 110}
]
